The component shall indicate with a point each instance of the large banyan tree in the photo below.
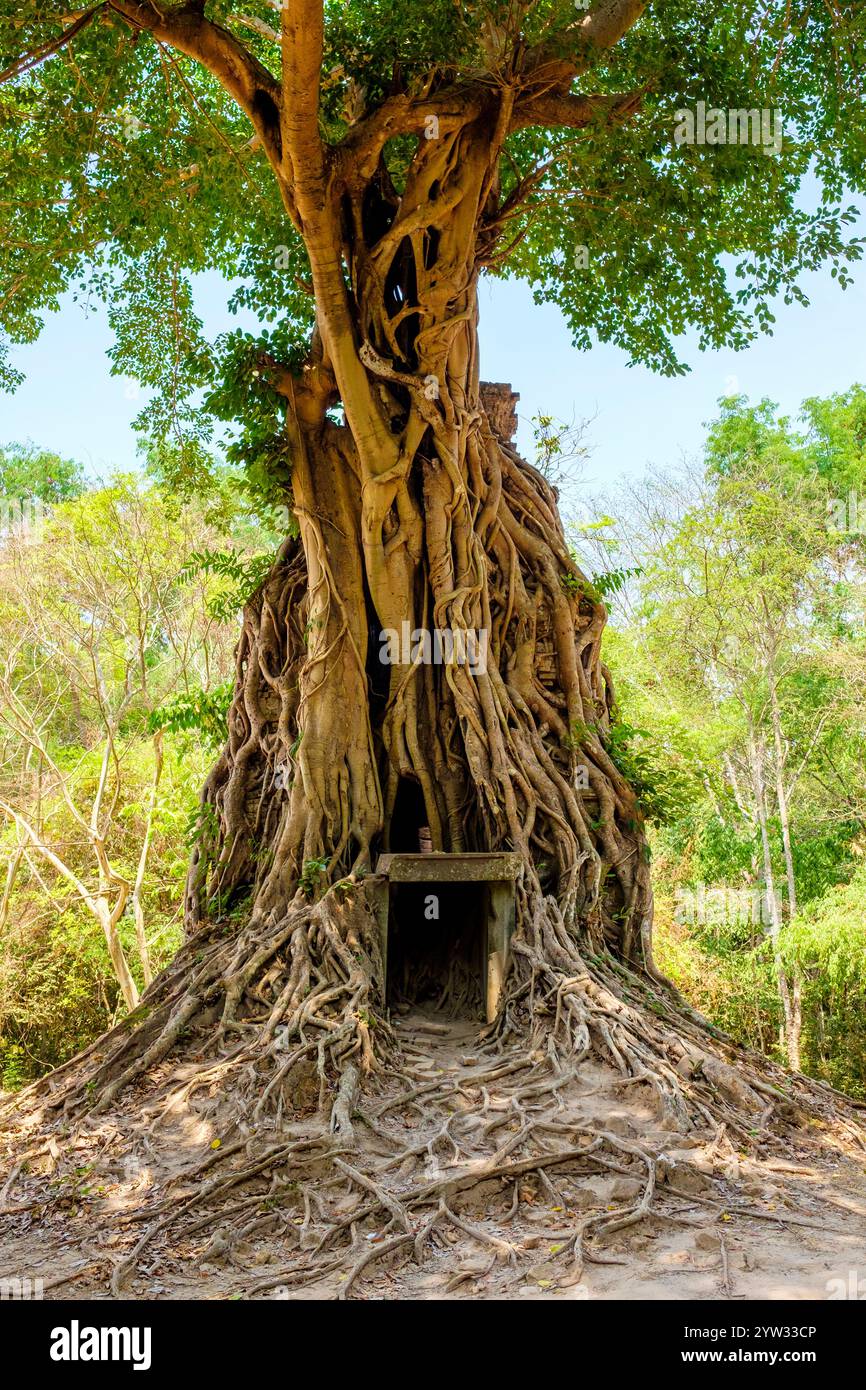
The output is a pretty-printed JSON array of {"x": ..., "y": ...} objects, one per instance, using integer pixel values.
[{"x": 353, "y": 168}]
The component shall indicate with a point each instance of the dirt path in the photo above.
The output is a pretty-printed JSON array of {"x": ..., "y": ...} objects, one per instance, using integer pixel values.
[{"x": 786, "y": 1221}]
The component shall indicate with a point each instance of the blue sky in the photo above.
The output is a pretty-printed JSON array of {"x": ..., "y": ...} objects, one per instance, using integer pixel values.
[{"x": 69, "y": 402}]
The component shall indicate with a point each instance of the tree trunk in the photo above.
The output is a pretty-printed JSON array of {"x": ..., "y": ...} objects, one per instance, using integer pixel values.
[
  {"x": 782, "y": 799},
  {"x": 415, "y": 513},
  {"x": 334, "y": 709},
  {"x": 105, "y": 917}
]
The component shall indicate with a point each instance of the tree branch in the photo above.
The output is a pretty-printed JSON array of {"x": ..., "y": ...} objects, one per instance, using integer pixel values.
[
  {"x": 47, "y": 853},
  {"x": 248, "y": 81},
  {"x": 303, "y": 31},
  {"x": 600, "y": 29},
  {"x": 575, "y": 112},
  {"x": 401, "y": 114},
  {"x": 317, "y": 201},
  {"x": 258, "y": 26},
  {"x": 609, "y": 20}
]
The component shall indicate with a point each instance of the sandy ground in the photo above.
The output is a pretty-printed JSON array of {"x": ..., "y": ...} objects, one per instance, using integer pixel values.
[{"x": 787, "y": 1221}]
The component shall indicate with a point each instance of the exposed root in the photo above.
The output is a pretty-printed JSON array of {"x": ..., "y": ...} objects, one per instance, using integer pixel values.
[{"x": 351, "y": 1169}]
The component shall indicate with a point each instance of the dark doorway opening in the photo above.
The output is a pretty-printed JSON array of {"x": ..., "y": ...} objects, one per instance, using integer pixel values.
[
  {"x": 437, "y": 947},
  {"x": 409, "y": 815}
]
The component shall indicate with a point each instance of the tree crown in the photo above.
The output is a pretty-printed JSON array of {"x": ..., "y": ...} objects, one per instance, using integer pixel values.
[{"x": 636, "y": 187}]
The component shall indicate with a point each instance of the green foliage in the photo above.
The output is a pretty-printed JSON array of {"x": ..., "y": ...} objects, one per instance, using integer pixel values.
[
  {"x": 244, "y": 398},
  {"x": 730, "y": 976},
  {"x": 57, "y": 988},
  {"x": 204, "y": 712},
  {"x": 749, "y": 594},
  {"x": 103, "y": 640},
  {"x": 828, "y": 946},
  {"x": 243, "y": 573},
  {"x": 57, "y": 991},
  {"x": 603, "y": 585},
  {"x": 660, "y": 787},
  {"x": 26, "y": 472},
  {"x": 202, "y": 825},
  {"x": 611, "y": 582}
]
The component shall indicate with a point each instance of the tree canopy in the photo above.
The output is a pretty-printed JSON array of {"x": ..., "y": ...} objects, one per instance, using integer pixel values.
[{"x": 144, "y": 144}]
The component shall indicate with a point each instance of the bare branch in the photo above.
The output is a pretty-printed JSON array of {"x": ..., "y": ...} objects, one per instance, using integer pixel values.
[{"x": 258, "y": 26}]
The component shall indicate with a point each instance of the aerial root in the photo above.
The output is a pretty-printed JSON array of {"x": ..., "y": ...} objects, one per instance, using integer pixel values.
[
  {"x": 498, "y": 1156},
  {"x": 226, "y": 1004},
  {"x": 357, "y": 1211}
]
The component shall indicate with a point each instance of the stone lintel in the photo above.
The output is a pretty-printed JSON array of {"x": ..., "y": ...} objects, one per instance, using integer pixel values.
[{"x": 449, "y": 868}]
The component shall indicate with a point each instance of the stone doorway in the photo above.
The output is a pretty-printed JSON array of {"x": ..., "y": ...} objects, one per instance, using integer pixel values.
[{"x": 446, "y": 922}]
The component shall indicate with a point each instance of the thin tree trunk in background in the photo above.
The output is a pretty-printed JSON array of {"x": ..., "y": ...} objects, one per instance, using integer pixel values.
[
  {"x": 791, "y": 1039},
  {"x": 14, "y": 862},
  {"x": 784, "y": 819},
  {"x": 782, "y": 799},
  {"x": 106, "y": 916},
  {"x": 138, "y": 910},
  {"x": 107, "y": 920}
]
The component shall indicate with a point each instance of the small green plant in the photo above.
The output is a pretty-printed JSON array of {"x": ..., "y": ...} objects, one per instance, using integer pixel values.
[
  {"x": 601, "y": 586},
  {"x": 202, "y": 825},
  {"x": 311, "y": 875},
  {"x": 13, "y": 1066},
  {"x": 202, "y": 712},
  {"x": 578, "y": 733},
  {"x": 614, "y": 581}
]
